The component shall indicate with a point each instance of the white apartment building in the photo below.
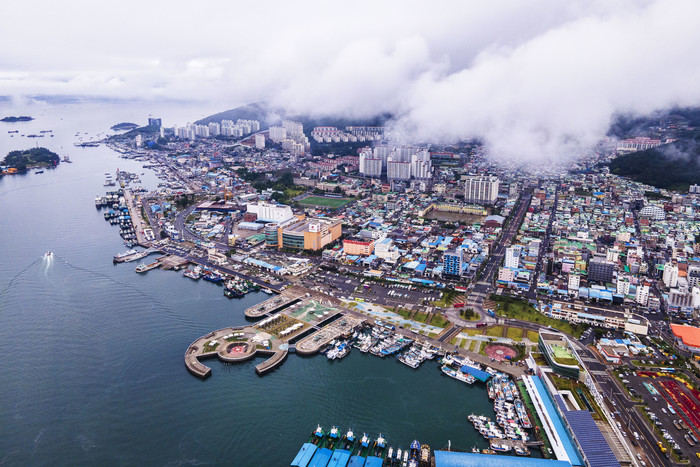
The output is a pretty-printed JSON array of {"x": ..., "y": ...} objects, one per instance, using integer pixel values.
[{"x": 481, "y": 189}]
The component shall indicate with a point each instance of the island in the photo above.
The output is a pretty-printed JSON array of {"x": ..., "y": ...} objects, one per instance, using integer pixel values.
[
  {"x": 124, "y": 126},
  {"x": 20, "y": 161},
  {"x": 17, "y": 119}
]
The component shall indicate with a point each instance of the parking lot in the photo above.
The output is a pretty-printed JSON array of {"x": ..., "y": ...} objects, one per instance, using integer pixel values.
[{"x": 672, "y": 408}]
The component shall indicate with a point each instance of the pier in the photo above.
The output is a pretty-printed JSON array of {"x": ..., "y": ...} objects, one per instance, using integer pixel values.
[
  {"x": 232, "y": 345},
  {"x": 136, "y": 219},
  {"x": 271, "y": 305},
  {"x": 311, "y": 344}
]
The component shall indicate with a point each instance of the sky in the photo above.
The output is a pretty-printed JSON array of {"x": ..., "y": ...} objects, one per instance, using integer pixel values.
[{"x": 536, "y": 80}]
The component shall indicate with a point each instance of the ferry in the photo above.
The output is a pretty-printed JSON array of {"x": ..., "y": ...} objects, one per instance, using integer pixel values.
[
  {"x": 194, "y": 274},
  {"x": 146, "y": 267},
  {"x": 119, "y": 256}
]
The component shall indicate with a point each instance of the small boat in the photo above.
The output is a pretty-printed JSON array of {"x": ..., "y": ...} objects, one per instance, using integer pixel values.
[
  {"x": 267, "y": 291},
  {"x": 381, "y": 442},
  {"x": 334, "y": 432},
  {"x": 48, "y": 254},
  {"x": 39, "y": 172},
  {"x": 521, "y": 451},
  {"x": 365, "y": 440},
  {"x": 390, "y": 453},
  {"x": 350, "y": 436},
  {"x": 398, "y": 454},
  {"x": 319, "y": 432},
  {"x": 425, "y": 454}
]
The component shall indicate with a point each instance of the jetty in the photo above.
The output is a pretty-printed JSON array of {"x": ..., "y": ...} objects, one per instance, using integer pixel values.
[{"x": 272, "y": 305}]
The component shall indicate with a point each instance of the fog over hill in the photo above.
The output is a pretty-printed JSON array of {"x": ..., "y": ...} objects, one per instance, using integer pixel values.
[{"x": 537, "y": 80}]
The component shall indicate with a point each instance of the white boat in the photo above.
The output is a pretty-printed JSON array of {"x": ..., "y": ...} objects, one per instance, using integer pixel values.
[{"x": 350, "y": 435}]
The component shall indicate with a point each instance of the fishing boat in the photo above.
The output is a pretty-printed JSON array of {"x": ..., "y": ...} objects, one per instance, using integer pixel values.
[
  {"x": 521, "y": 451},
  {"x": 319, "y": 432},
  {"x": 365, "y": 440},
  {"x": 334, "y": 432},
  {"x": 500, "y": 447},
  {"x": 350, "y": 436},
  {"x": 425, "y": 454},
  {"x": 381, "y": 442}
]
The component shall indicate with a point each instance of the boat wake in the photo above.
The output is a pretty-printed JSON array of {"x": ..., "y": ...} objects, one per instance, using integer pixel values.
[{"x": 16, "y": 277}]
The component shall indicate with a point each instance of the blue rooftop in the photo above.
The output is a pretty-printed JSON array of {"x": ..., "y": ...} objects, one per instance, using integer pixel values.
[
  {"x": 595, "y": 449},
  {"x": 476, "y": 373},
  {"x": 374, "y": 461},
  {"x": 556, "y": 422},
  {"x": 340, "y": 458},
  {"x": 304, "y": 455},
  {"x": 465, "y": 459},
  {"x": 356, "y": 461},
  {"x": 321, "y": 458}
]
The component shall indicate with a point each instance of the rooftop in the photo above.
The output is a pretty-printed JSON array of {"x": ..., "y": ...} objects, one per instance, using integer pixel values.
[
  {"x": 689, "y": 334},
  {"x": 463, "y": 459}
]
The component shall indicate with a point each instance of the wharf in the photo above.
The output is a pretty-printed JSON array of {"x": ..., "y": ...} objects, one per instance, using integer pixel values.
[
  {"x": 272, "y": 305},
  {"x": 133, "y": 257},
  {"x": 136, "y": 220},
  {"x": 232, "y": 345},
  {"x": 313, "y": 343},
  {"x": 173, "y": 262}
]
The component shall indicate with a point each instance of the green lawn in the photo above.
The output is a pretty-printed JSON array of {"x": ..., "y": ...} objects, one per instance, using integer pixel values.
[
  {"x": 515, "y": 333},
  {"x": 439, "y": 321},
  {"x": 518, "y": 309},
  {"x": 324, "y": 202},
  {"x": 472, "y": 331},
  {"x": 420, "y": 317},
  {"x": 495, "y": 331},
  {"x": 533, "y": 336}
]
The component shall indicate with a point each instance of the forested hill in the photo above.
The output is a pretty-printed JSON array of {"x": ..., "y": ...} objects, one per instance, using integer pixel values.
[
  {"x": 268, "y": 115},
  {"x": 673, "y": 166}
]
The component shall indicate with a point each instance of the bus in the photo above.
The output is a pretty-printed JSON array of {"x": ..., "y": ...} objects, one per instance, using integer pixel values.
[
  {"x": 458, "y": 305},
  {"x": 480, "y": 325}
]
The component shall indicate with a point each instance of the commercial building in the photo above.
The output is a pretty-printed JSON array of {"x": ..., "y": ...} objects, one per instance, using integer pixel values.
[
  {"x": 559, "y": 354},
  {"x": 303, "y": 234},
  {"x": 358, "y": 246},
  {"x": 481, "y": 189},
  {"x": 268, "y": 212},
  {"x": 512, "y": 256},
  {"x": 687, "y": 337}
]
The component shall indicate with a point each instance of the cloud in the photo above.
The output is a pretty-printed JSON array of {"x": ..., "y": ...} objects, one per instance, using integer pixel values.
[{"x": 537, "y": 80}]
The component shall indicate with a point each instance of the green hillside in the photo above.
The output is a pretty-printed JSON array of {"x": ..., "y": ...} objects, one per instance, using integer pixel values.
[{"x": 673, "y": 166}]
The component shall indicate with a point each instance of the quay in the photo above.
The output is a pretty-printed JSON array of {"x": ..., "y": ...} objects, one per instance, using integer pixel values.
[
  {"x": 313, "y": 343},
  {"x": 271, "y": 305},
  {"x": 136, "y": 219}
]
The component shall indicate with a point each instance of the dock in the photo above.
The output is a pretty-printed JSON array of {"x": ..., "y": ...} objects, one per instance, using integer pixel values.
[
  {"x": 136, "y": 219},
  {"x": 272, "y": 305},
  {"x": 314, "y": 342}
]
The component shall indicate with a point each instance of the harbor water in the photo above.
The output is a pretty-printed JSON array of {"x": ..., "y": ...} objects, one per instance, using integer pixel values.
[{"x": 92, "y": 352}]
